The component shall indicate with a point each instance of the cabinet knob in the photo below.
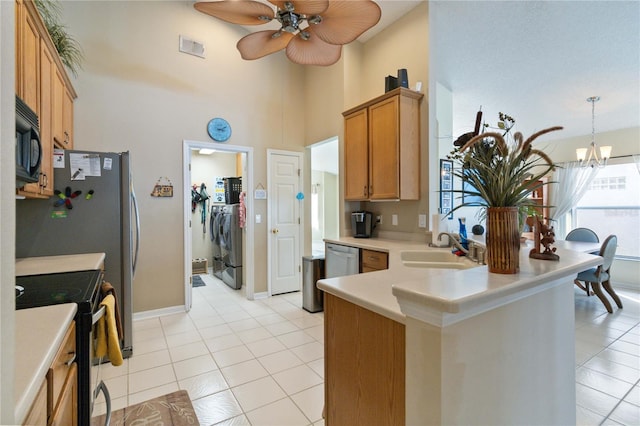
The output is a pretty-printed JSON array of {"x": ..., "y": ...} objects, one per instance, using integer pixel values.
[{"x": 275, "y": 231}]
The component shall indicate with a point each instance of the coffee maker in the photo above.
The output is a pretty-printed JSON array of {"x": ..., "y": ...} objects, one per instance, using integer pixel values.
[{"x": 362, "y": 224}]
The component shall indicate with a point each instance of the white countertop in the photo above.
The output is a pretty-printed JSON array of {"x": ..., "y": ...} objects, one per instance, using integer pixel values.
[
  {"x": 444, "y": 290},
  {"x": 54, "y": 264},
  {"x": 39, "y": 334}
]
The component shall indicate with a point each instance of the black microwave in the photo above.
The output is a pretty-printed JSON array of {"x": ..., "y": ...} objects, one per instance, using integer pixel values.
[{"x": 28, "y": 148}]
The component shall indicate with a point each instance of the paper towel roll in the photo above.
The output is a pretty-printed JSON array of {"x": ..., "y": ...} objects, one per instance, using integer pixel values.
[{"x": 437, "y": 226}]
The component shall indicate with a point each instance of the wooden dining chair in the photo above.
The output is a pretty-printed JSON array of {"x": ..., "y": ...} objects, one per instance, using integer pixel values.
[{"x": 602, "y": 274}]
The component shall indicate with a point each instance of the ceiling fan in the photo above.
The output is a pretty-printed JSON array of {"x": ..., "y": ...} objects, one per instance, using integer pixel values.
[{"x": 312, "y": 31}]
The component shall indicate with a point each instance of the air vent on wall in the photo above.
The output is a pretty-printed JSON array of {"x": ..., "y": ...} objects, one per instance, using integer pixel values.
[{"x": 191, "y": 47}]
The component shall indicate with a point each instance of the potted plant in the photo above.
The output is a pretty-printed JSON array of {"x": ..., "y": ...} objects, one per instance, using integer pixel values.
[
  {"x": 68, "y": 48},
  {"x": 501, "y": 177}
]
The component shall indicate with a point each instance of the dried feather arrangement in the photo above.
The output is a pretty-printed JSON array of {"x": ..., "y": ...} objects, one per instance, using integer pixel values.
[{"x": 502, "y": 174}]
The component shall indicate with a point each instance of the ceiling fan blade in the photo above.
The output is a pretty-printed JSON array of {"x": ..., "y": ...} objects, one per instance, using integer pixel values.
[
  {"x": 306, "y": 7},
  {"x": 313, "y": 51},
  {"x": 243, "y": 12},
  {"x": 345, "y": 21},
  {"x": 259, "y": 44}
]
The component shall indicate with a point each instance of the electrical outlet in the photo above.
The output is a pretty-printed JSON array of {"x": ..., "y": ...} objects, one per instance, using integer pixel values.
[
  {"x": 422, "y": 221},
  {"x": 394, "y": 219},
  {"x": 379, "y": 219}
]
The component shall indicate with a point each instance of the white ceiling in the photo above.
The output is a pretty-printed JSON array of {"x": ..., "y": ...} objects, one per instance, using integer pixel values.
[{"x": 539, "y": 61}]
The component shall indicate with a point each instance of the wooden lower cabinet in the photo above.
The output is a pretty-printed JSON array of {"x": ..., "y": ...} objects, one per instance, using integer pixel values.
[
  {"x": 374, "y": 260},
  {"x": 57, "y": 399},
  {"x": 38, "y": 412},
  {"x": 364, "y": 366},
  {"x": 65, "y": 413},
  {"x": 62, "y": 379}
]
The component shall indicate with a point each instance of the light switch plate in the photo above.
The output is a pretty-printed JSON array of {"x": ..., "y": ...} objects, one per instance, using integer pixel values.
[
  {"x": 258, "y": 218},
  {"x": 422, "y": 221},
  {"x": 394, "y": 219}
]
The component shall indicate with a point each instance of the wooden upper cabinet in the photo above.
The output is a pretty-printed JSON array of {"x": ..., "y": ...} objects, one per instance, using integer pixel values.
[
  {"x": 28, "y": 65},
  {"x": 63, "y": 113},
  {"x": 67, "y": 119},
  {"x": 390, "y": 125},
  {"x": 47, "y": 69},
  {"x": 58, "y": 102},
  {"x": 43, "y": 84},
  {"x": 356, "y": 151}
]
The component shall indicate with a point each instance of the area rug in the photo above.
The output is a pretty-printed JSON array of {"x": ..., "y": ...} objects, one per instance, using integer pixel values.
[
  {"x": 171, "y": 409},
  {"x": 197, "y": 281}
]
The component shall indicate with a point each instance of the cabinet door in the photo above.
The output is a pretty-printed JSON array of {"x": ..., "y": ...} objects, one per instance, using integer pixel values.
[
  {"x": 67, "y": 120},
  {"x": 364, "y": 351},
  {"x": 356, "y": 158},
  {"x": 374, "y": 260},
  {"x": 63, "y": 363},
  {"x": 38, "y": 411},
  {"x": 47, "y": 66},
  {"x": 29, "y": 51},
  {"x": 65, "y": 413},
  {"x": 384, "y": 150},
  {"x": 58, "y": 107}
]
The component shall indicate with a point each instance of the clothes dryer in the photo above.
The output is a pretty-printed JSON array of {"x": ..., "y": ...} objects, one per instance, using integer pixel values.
[{"x": 231, "y": 245}]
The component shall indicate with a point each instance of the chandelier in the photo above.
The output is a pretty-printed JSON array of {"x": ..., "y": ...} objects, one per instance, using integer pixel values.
[{"x": 592, "y": 156}]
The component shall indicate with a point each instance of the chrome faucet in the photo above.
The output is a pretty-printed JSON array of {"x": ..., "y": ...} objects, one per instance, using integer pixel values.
[{"x": 454, "y": 241}]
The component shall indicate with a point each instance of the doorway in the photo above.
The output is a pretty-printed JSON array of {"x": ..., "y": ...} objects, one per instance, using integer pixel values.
[
  {"x": 196, "y": 221},
  {"x": 325, "y": 211}
]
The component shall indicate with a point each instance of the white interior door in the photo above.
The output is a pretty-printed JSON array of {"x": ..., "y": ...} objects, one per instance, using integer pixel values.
[{"x": 285, "y": 182}]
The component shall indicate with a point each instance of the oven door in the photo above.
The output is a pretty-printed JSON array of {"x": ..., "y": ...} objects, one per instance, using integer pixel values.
[{"x": 99, "y": 393}]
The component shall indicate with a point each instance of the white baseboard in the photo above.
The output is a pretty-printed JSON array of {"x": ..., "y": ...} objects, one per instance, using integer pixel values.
[
  {"x": 261, "y": 295},
  {"x": 158, "y": 312}
]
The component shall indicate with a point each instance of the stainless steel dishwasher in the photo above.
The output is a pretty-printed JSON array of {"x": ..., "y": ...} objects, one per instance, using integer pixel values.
[{"x": 341, "y": 260}]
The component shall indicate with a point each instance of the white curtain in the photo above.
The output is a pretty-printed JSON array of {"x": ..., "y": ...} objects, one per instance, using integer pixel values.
[
  {"x": 570, "y": 182},
  {"x": 636, "y": 159}
]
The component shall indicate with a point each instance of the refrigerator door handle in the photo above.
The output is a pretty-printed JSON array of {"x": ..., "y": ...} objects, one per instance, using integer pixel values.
[{"x": 137, "y": 216}]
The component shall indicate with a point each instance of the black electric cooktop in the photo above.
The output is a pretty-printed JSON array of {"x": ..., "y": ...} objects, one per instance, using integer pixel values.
[{"x": 81, "y": 287}]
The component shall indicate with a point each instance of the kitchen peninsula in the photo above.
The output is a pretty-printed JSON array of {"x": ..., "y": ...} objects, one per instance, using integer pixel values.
[{"x": 471, "y": 347}]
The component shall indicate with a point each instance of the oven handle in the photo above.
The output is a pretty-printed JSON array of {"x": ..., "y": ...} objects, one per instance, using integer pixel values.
[
  {"x": 102, "y": 387},
  {"x": 99, "y": 314}
]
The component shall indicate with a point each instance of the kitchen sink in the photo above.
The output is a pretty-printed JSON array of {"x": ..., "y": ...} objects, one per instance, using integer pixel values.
[{"x": 437, "y": 258}]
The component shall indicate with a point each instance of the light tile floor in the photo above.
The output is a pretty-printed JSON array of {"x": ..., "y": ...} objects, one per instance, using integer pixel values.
[{"x": 261, "y": 362}]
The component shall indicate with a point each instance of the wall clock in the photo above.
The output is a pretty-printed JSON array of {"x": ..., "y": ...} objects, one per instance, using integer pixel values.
[{"x": 219, "y": 129}]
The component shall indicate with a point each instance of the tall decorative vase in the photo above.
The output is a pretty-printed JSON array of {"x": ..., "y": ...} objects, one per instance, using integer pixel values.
[{"x": 503, "y": 240}]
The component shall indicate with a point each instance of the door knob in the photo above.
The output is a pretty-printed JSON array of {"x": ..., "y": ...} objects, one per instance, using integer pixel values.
[{"x": 274, "y": 231}]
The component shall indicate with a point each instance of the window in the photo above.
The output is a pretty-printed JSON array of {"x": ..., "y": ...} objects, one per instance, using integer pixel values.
[{"x": 611, "y": 205}]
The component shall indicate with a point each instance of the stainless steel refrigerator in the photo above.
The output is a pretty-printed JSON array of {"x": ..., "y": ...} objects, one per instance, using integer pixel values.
[{"x": 102, "y": 218}]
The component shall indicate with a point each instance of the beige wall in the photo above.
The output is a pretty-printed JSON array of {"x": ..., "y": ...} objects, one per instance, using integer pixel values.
[
  {"x": 138, "y": 93},
  {"x": 402, "y": 45}
]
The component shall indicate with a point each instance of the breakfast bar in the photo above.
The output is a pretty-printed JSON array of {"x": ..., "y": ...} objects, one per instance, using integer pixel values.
[{"x": 479, "y": 348}]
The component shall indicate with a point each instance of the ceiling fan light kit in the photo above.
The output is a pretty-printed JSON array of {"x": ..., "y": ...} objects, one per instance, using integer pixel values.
[{"x": 312, "y": 32}]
